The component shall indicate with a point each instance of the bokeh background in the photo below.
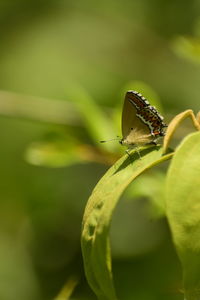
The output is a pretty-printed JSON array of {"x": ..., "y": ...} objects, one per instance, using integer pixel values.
[{"x": 64, "y": 68}]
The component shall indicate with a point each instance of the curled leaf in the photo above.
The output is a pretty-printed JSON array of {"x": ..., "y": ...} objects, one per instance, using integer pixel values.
[
  {"x": 175, "y": 123},
  {"x": 183, "y": 211},
  {"x": 98, "y": 214}
]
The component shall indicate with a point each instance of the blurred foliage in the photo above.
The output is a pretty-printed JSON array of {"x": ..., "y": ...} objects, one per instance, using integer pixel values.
[{"x": 64, "y": 68}]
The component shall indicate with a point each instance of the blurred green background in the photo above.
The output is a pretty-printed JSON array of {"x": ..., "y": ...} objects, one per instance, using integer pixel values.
[{"x": 64, "y": 68}]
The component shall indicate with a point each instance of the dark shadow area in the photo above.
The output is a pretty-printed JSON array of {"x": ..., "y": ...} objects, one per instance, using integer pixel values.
[{"x": 134, "y": 156}]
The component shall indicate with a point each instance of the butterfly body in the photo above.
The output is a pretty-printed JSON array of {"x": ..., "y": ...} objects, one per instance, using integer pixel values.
[{"x": 141, "y": 122}]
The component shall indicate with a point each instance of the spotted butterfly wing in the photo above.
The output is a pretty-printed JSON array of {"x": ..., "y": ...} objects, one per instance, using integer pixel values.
[{"x": 141, "y": 122}]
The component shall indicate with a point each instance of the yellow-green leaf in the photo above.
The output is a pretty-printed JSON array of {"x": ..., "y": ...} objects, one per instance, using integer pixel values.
[
  {"x": 177, "y": 120},
  {"x": 98, "y": 214},
  {"x": 183, "y": 211}
]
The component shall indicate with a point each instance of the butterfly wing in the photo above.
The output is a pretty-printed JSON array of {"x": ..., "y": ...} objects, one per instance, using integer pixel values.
[
  {"x": 134, "y": 131},
  {"x": 141, "y": 123}
]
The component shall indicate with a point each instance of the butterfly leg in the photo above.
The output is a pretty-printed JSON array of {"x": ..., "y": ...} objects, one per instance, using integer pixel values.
[
  {"x": 152, "y": 143},
  {"x": 138, "y": 152},
  {"x": 128, "y": 153}
]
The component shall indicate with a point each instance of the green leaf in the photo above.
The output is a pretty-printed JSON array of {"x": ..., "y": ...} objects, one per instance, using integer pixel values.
[
  {"x": 98, "y": 214},
  {"x": 99, "y": 126},
  {"x": 151, "y": 186},
  {"x": 175, "y": 123},
  {"x": 68, "y": 289},
  {"x": 56, "y": 149},
  {"x": 183, "y": 211},
  {"x": 187, "y": 47},
  {"x": 51, "y": 154}
]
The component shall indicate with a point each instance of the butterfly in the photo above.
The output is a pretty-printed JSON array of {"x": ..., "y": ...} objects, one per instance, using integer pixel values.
[{"x": 141, "y": 122}]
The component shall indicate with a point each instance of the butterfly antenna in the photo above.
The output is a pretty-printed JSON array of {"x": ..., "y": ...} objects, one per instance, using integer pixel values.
[{"x": 116, "y": 139}]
